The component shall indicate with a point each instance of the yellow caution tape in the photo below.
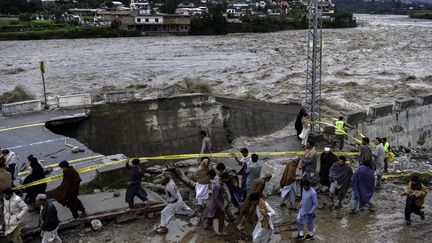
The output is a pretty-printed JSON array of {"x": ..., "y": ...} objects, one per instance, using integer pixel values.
[
  {"x": 349, "y": 135},
  {"x": 24, "y": 126},
  {"x": 166, "y": 157},
  {"x": 396, "y": 175},
  {"x": 224, "y": 155},
  {"x": 70, "y": 162},
  {"x": 57, "y": 177}
]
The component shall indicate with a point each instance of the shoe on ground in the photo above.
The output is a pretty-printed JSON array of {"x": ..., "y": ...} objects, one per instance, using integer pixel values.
[
  {"x": 372, "y": 209},
  {"x": 309, "y": 237},
  {"x": 408, "y": 222},
  {"x": 299, "y": 237},
  {"x": 422, "y": 215},
  {"x": 240, "y": 227},
  {"x": 283, "y": 204},
  {"x": 162, "y": 230},
  {"x": 338, "y": 206}
]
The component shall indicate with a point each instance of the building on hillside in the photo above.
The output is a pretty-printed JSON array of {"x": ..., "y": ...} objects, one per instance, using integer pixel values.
[
  {"x": 104, "y": 15},
  {"x": 143, "y": 6},
  {"x": 156, "y": 23},
  {"x": 191, "y": 11}
]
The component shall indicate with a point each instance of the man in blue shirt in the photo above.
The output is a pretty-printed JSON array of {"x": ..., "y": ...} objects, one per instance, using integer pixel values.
[
  {"x": 253, "y": 171},
  {"x": 307, "y": 212}
]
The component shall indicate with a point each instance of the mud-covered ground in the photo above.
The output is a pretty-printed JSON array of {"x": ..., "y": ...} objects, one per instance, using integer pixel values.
[
  {"x": 386, "y": 224},
  {"x": 383, "y": 59}
]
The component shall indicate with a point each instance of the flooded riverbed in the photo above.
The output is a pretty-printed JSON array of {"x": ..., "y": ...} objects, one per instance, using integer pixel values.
[{"x": 385, "y": 58}]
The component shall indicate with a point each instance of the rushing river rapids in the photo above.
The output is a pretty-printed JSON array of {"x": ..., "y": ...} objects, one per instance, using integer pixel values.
[{"x": 386, "y": 57}]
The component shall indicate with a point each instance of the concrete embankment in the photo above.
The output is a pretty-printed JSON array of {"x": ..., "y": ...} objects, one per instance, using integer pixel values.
[{"x": 405, "y": 122}]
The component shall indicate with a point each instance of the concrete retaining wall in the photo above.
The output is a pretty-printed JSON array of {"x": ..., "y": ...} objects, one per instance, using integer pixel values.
[
  {"x": 21, "y": 107},
  {"x": 408, "y": 123},
  {"x": 171, "y": 126},
  {"x": 255, "y": 118},
  {"x": 78, "y": 100}
]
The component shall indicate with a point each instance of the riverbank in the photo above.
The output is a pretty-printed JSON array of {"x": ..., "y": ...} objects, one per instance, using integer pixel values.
[
  {"x": 205, "y": 24},
  {"x": 427, "y": 15},
  {"x": 294, "y": 20},
  {"x": 68, "y": 32},
  {"x": 258, "y": 24}
]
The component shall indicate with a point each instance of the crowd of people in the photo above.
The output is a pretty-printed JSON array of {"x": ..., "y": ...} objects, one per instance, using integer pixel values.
[
  {"x": 219, "y": 189},
  {"x": 14, "y": 206}
]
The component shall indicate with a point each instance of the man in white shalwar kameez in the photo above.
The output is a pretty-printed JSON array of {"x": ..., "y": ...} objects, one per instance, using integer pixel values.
[
  {"x": 264, "y": 229},
  {"x": 176, "y": 205}
]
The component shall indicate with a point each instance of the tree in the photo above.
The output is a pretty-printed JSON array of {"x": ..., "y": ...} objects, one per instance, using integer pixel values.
[
  {"x": 169, "y": 6},
  {"x": 115, "y": 24},
  {"x": 109, "y": 4}
]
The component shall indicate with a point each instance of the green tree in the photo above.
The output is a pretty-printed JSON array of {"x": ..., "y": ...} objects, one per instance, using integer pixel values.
[
  {"x": 169, "y": 6},
  {"x": 115, "y": 24},
  {"x": 109, "y": 4}
]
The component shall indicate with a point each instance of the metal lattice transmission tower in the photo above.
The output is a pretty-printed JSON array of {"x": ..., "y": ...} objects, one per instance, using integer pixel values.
[{"x": 313, "y": 78}]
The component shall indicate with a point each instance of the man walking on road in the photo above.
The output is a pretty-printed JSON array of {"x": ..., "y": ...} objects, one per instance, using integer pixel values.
[
  {"x": 49, "y": 221},
  {"x": 67, "y": 193}
]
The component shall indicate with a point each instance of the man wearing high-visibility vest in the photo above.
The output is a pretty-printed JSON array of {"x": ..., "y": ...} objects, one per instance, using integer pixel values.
[
  {"x": 387, "y": 152},
  {"x": 340, "y": 133}
]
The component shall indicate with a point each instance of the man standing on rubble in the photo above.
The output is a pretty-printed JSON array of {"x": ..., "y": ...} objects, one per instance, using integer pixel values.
[
  {"x": 244, "y": 162},
  {"x": 379, "y": 156},
  {"x": 365, "y": 155},
  {"x": 175, "y": 202},
  {"x": 340, "y": 177},
  {"x": 215, "y": 207},
  {"x": 230, "y": 178},
  {"x": 340, "y": 133},
  {"x": 253, "y": 172},
  {"x": 206, "y": 147},
  {"x": 134, "y": 187}
]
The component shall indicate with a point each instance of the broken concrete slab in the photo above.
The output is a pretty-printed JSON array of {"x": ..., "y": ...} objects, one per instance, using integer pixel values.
[
  {"x": 403, "y": 104},
  {"x": 112, "y": 167},
  {"x": 119, "y": 96},
  {"x": 355, "y": 117},
  {"x": 73, "y": 101},
  {"x": 424, "y": 99},
  {"x": 380, "y": 110},
  {"x": 21, "y": 107}
]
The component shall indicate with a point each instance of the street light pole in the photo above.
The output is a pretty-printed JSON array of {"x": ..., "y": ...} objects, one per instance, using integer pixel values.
[{"x": 42, "y": 69}]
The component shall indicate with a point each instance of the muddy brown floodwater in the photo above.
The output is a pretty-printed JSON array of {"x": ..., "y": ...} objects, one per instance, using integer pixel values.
[{"x": 385, "y": 58}]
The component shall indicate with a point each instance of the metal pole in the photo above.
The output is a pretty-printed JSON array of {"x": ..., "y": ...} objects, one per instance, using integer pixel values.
[{"x": 42, "y": 69}]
